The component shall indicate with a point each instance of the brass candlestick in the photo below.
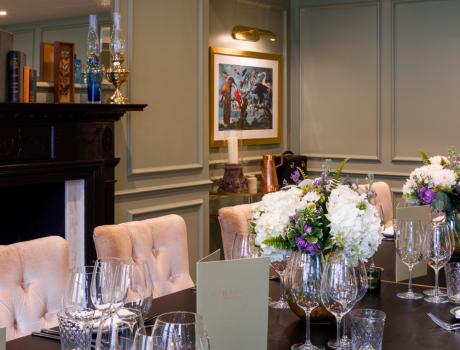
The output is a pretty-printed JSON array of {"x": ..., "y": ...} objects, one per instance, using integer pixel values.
[{"x": 117, "y": 75}]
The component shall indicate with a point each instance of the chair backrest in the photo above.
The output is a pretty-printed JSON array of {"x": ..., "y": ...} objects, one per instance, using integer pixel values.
[
  {"x": 384, "y": 199},
  {"x": 32, "y": 279},
  {"x": 234, "y": 220},
  {"x": 160, "y": 242}
]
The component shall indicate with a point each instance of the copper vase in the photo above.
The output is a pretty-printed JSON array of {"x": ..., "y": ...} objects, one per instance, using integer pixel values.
[{"x": 269, "y": 178}]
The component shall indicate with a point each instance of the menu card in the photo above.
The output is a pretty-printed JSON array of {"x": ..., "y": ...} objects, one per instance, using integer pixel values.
[
  {"x": 422, "y": 213},
  {"x": 2, "y": 338},
  {"x": 232, "y": 297}
]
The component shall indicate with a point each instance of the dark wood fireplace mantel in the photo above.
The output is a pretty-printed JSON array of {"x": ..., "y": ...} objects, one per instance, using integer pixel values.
[{"x": 43, "y": 143}]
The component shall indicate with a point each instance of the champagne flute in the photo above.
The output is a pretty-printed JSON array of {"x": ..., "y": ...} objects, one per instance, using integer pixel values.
[
  {"x": 339, "y": 288},
  {"x": 243, "y": 246},
  {"x": 305, "y": 287},
  {"x": 438, "y": 250},
  {"x": 409, "y": 236}
]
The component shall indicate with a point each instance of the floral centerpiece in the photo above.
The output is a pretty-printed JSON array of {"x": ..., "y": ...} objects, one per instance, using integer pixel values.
[
  {"x": 318, "y": 216},
  {"x": 436, "y": 183}
]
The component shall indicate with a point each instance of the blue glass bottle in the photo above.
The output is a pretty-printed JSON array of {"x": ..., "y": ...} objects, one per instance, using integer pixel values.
[{"x": 94, "y": 71}]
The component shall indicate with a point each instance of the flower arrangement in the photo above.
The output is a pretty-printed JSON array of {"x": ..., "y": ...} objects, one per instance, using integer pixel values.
[
  {"x": 435, "y": 183},
  {"x": 319, "y": 215}
]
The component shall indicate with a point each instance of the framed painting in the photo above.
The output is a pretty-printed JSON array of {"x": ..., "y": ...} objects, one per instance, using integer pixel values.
[{"x": 245, "y": 96}]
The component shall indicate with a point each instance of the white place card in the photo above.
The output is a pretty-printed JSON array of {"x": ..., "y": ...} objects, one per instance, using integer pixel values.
[
  {"x": 2, "y": 338},
  {"x": 232, "y": 297}
]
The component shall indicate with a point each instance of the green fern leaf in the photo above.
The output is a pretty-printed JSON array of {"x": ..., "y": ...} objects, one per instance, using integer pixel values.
[
  {"x": 338, "y": 174},
  {"x": 425, "y": 158},
  {"x": 304, "y": 176},
  {"x": 278, "y": 243}
]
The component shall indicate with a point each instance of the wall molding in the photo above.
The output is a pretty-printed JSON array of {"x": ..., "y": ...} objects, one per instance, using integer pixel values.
[
  {"x": 144, "y": 191},
  {"x": 173, "y": 207},
  {"x": 201, "y": 66},
  {"x": 341, "y": 156},
  {"x": 378, "y": 122},
  {"x": 243, "y": 160},
  {"x": 388, "y": 174}
]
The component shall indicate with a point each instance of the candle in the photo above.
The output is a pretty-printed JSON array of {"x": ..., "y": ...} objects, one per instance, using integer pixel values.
[
  {"x": 232, "y": 149},
  {"x": 252, "y": 184}
]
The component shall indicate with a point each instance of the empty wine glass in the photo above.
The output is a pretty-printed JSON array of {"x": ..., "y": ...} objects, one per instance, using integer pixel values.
[
  {"x": 409, "y": 237},
  {"x": 338, "y": 288},
  {"x": 117, "y": 331},
  {"x": 243, "y": 246},
  {"x": 143, "y": 340},
  {"x": 438, "y": 251},
  {"x": 361, "y": 280},
  {"x": 140, "y": 291},
  {"x": 305, "y": 287},
  {"x": 179, "y": 330},
  {"x": 279, "y": 262}
]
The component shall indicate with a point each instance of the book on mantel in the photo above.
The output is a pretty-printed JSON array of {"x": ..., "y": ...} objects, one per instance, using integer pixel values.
[
  {"x": 6, "y": 44},
  {"x": 16, "y": 63}
]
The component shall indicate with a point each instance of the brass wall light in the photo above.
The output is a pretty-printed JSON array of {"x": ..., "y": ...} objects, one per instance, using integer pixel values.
[{"x": 251, "y": 34}]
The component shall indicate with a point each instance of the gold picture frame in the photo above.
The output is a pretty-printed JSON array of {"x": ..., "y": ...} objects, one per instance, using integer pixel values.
[{"x": 245, "y": 94}]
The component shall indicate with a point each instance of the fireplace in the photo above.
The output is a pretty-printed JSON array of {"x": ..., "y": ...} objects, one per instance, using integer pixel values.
[{"x": 57, "y": 172}]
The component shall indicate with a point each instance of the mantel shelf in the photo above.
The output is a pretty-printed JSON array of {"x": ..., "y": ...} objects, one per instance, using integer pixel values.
[{"x": 66, "y": 111}]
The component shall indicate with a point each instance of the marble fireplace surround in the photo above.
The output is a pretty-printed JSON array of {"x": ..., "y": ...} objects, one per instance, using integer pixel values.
[{"x": 43, "y": 143}]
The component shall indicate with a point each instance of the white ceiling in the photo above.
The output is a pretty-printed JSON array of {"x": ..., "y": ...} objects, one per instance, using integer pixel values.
[{"x": 20, "y": 11}]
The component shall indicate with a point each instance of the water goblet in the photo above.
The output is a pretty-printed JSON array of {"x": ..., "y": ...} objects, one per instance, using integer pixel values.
[
  {"x": 304, "y": 286},
  {"x": 243, "y": 246},
  {"x": 437, "y": 250},
  {"x": 279, "y": 262},
  {"x": 179, "y": 330},
  {"x": 140, "y": 289},
  {"x": 409, "y": 237},
  {"x": 338, "y": 288}
]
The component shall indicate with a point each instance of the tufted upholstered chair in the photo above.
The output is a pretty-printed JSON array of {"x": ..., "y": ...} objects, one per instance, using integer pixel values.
[
  {"x": 160, "y": 242},
  {"x": 32, "y": 279},
  {"x": 384, "y": 198},
  {"x": 234, "y": 220}
]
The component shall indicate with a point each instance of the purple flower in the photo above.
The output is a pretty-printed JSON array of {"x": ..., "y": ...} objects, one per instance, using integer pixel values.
[
  {"x": 426, "y": 194},
  {"x": 302, "y": 244},
  {"x": 295, "y": 176},
  {"x": 307, "y": 229}
]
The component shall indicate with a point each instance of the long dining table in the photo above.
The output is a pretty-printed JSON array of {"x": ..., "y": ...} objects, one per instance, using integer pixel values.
[{"x": 407, "y": 325}]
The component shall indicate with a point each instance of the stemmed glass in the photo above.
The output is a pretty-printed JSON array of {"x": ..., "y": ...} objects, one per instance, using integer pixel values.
[
  {"x": 179, "y": 330},
  {"x": 279, "y": 262},
  {"x": 409, "y": 237},
  {"x": 437, "y": 250},
  {"x": 243, "y": 246},
  {"x": 361, "y": 280},
  {"x": 339, "y": 288},
  {"x": 140, "y": 291},
  {"x": 305, "y": 287}
]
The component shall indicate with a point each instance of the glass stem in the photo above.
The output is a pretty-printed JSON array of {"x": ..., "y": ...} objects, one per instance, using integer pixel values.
[
  {"x": 344, "y": 322},
  {"x": 436, "y": 283},
  {"x": 409, "y": 289},
  {"x": 339, "y": 320},
  {"x": 307, "y": 344},
  {"x": 282, "y": 291}
]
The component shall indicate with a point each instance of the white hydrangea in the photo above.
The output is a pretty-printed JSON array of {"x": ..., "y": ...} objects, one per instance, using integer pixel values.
[
  {"x": 272, "y": 215},
  {"x": 436, "y": 160},
  {"x": 354, "y": 223},
  {"x": 432, "y": 175}
]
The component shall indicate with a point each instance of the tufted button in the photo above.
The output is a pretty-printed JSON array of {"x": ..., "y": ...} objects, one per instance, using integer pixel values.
[
  {"x": 171, "y": 278},
  {"x": 154, "y": 252}
]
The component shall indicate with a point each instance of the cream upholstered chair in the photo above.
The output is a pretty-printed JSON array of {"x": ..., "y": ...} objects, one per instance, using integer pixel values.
[
  {"x": 234, "y": 220},
  {"x": 160, "y": 242},
  {"x": 384, "y": 199},
  {"x": 32, "y": 279}
]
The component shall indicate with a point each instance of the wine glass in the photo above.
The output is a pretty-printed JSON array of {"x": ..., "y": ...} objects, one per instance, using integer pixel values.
[
  {"x": 339, "y": 288},
  {"x": 437, "y": 250},
  {"x": 305, "y": 286},
  {"x": 140, "y": 291},
  {"x": 243, "y": 246},
  {"x": 409, "y": 236},
  {"x": 361, "y": 280},
  {"x": 179, "y": 330},
  {"x": 279, "y": 262},
  {"x": 117, "y": 331}
]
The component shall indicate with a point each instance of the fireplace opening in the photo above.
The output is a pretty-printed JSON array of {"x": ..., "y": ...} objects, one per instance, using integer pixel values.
[{"x": 32, "y": 211}]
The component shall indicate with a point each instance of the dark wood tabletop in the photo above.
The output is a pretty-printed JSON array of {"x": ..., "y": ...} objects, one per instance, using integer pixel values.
[{"x": 407, "y": 325}]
